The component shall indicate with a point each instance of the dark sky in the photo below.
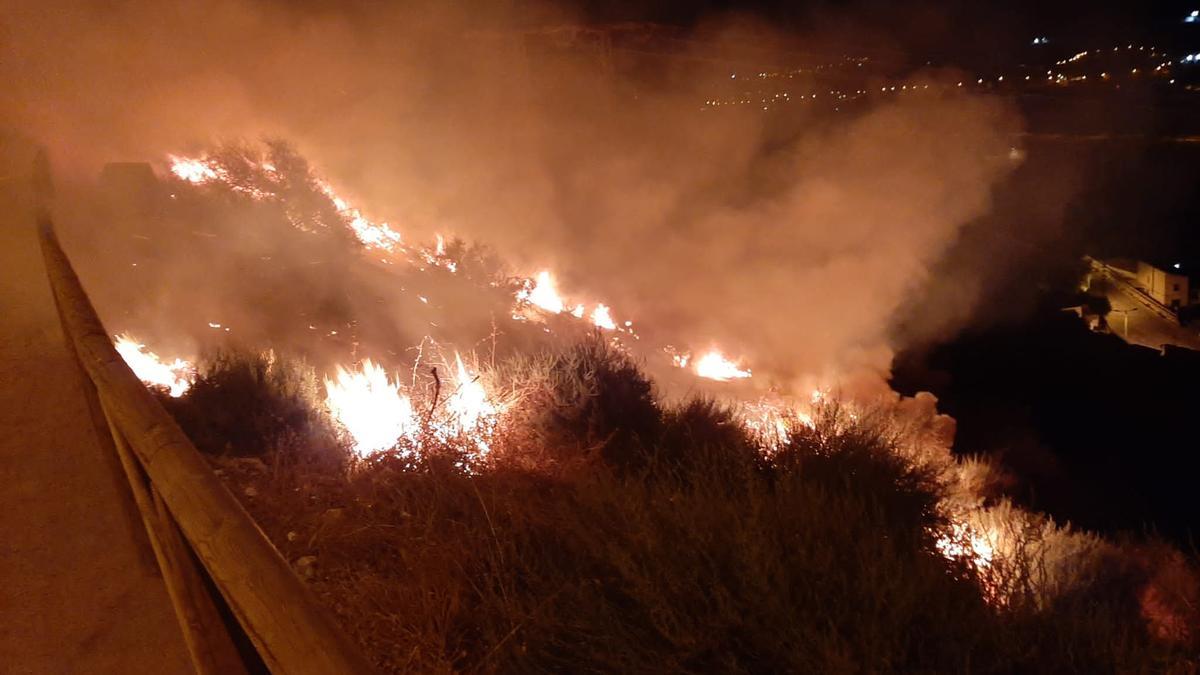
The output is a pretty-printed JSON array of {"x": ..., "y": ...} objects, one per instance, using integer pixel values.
[
  {"x": 948, "y": 29},
  {"x": 1070, "y": 14},
  {"x": 967, "y": 31}
]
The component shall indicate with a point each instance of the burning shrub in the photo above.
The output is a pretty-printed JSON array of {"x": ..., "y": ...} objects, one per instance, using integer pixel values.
[
  {"x": 1027, "y": 563},
  {"x": 818, "y": 559},
  {"x": 256, "y": 403},
  {"x": 273, "y": 175},
  {"x": 723, "y": 567},
  {"x": 679, "y": 538}
]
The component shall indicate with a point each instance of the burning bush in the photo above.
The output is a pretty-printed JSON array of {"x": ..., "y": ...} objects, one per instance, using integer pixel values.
[
  {"x": 675, "y": 540},
  {"x": 728, "y": 567}
]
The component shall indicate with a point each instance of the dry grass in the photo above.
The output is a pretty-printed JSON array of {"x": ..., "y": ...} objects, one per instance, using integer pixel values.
[{"x": 610, "y": 533}]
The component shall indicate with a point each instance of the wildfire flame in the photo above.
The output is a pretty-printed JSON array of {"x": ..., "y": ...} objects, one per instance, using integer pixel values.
[
  {"x": 194, "y": 171},
  {"x": 379, "y": 415},
  {"x": 370, "y": 234},
  {"x": 201, "y": 171},
  {"x": 543, "y": 293},
  {"x": 965, "y": 542},
  {"x": 540, "y": 292},
  {"x": 715, "y": 366},
  {"x": 602, "y": 317},
  {"x": 176, "y": 376},
  {"x": 371, "y": 407},
  {"x": 470, "y": 408}
]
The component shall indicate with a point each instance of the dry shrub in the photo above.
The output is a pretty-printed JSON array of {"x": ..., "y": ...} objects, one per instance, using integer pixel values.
[
  {"x": 733, "y": 570},
  {"x": 675, "y": 543},
  {"x": 252, "y": 404},
  {"x": 976, "y": 481},
  {"x": 572, "y": 407},
  {"x": 1036, "y": 562},
  {"x": 1170, "y": 596}
]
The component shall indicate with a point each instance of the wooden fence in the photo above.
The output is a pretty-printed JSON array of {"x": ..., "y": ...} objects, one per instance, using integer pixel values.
[{"x": 201, "y": 536}]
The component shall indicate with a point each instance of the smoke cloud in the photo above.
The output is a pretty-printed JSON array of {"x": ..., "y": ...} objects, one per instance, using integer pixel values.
[{"x": 791, "y": 238}]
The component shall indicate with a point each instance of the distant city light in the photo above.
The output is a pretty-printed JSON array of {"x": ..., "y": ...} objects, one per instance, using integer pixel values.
[
  {"x": 1040, "y": 40},
  {"x": 1193, "y": 17},
  {"x": 1177, "y": 265}
]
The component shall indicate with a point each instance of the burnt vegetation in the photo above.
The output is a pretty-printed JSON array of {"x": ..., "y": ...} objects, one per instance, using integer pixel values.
[{"x": 610, "y": 530}]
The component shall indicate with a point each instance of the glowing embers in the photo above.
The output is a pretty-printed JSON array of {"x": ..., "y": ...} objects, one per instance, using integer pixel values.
[
  {"x": 964, "y": 542},
  {"x": 176, "y": 376},
  {"x": 380, "y": 414}
]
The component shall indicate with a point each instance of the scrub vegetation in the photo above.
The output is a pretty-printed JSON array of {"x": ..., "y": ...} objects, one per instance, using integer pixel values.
[{"x": 608, "y": 530}]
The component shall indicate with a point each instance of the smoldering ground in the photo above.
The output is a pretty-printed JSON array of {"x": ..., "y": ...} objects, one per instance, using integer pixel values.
[{"x": 788, "y": 239}]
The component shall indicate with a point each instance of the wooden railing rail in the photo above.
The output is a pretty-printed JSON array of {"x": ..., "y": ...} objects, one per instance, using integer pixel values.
[{"x": 190, "y": 516}]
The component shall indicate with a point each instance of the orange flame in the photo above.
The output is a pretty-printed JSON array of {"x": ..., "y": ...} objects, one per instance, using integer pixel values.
[
  {"x": 965, "y": 542},
  {"x": 176, "y": 376},
  {"x": 471, "y": 410},
  {"x": 379, "y": 415},
  {"x": 543, "y": 293},
  {"x": 715, "y": 366},
  {"x": 369, "y": 234},
  {"x": 371, "y": 407},
  {"x": 602, "y": 317}
]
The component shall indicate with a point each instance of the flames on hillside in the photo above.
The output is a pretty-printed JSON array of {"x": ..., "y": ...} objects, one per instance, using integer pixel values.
[
  {"x": 537, "y": 297},
  {"x": 381, "y": 414},
  {"x": 371, "y": 404}
]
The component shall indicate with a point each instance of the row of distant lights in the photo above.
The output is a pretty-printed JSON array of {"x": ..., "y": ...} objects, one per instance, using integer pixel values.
[
  {"x": 858, "y": 61},
  {"x": 1080, "y": 55},
  {"x": 1050, "y": 75},
  {"x": 786, "y": 97},
  {"x": 1165, "y": 65}
]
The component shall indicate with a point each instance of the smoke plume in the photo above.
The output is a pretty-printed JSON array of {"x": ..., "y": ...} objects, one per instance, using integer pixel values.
[{"x": 790, "y": 238}]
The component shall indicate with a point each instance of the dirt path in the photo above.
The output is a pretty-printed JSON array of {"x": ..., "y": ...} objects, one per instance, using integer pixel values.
[{"x": 77, "y": 594}]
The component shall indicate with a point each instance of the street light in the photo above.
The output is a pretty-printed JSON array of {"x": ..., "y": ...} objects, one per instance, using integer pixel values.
[{"x": 1126, "y": 313}]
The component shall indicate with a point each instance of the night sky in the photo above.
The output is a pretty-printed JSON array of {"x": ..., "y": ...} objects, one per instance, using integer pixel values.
[{"x": 949, "y": 30}]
